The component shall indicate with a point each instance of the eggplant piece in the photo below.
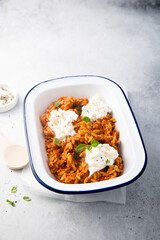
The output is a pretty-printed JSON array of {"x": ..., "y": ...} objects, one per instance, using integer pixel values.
[
  {"x": 78, "y": 108},
  {"x": 76, "y": 155}
]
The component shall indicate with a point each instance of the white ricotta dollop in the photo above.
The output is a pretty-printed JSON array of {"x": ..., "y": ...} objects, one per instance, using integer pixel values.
[
  {"x": 95, "y": 109},
  {"x": 99, "y": 157},
  {"x": 60, "y": 122}
]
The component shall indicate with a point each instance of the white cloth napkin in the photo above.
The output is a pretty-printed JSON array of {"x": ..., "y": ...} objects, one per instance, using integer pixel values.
[{"x": 114, "y": 196}]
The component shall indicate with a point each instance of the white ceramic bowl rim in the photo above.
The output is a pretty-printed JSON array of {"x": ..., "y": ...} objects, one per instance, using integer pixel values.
[{"x": 82, "y": 191}]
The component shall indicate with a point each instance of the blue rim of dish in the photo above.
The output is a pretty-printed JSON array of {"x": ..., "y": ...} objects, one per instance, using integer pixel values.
[{"x": 83, "y": 191}]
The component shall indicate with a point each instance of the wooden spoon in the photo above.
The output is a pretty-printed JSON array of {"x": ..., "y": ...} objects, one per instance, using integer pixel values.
[{"x": 15, "y": 156}]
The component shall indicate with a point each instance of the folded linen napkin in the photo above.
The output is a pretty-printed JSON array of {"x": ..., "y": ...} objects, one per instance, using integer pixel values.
[{"x": 112, "y": 196}]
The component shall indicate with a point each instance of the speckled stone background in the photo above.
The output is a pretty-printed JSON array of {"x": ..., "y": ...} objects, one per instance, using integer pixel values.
[{"x": 41, "y": 40}]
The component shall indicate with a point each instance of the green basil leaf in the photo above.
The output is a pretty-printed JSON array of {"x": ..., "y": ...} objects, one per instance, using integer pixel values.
[
  {"x": 56, "y": 104},
  {"x": 89, "y": 147},
  {"x": 14, "y": 189},
  {"x": 107, "y": 161},
  {"x": 10, "y": 202},
  {"x": 27, "y": 198},
  {"x": 56, "y": 141},
  {"x": 86, "y": 119},
  {"x": 80, "y": 147},
  {"x": 94, "y": 143}
]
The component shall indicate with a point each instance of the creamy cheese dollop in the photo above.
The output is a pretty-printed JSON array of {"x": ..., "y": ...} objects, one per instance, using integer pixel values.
[
  {"x": 60, "y": 122},
  {"x": 99, "y": 157},
  {"x": 95, "y": 109}
]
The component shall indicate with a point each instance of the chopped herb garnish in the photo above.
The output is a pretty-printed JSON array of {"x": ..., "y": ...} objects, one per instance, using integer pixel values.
[
  {"x": 10, "y": 202},
  {"x": 14, "y": 189},
  {"x": 56, "y": 104},
  {"x": 94, "y": 143},
  {"x": 57, "y": 141},
  {"x": 86, "y": 119},
  {"x": 89, "y": 147},
  {"x": 80, "y": 147},
  {"x": 27, "y": 198},
  {"x": 107, "y": 161}
]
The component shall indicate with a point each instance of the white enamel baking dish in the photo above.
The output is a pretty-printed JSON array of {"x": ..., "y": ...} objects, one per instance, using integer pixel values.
[{"x": 132, "y": 146}]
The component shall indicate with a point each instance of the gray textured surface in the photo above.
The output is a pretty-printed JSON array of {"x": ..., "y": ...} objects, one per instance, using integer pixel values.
[{"x": 40, "y": 40}]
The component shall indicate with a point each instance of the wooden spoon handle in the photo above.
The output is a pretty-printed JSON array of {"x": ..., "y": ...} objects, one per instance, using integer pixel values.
[{"x": 4, "y": 142}]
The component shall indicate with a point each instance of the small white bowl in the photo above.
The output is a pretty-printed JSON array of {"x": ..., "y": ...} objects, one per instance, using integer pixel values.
[
  {"x": 132, "y": 146},
  {"x": 13, "y": 102}
]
